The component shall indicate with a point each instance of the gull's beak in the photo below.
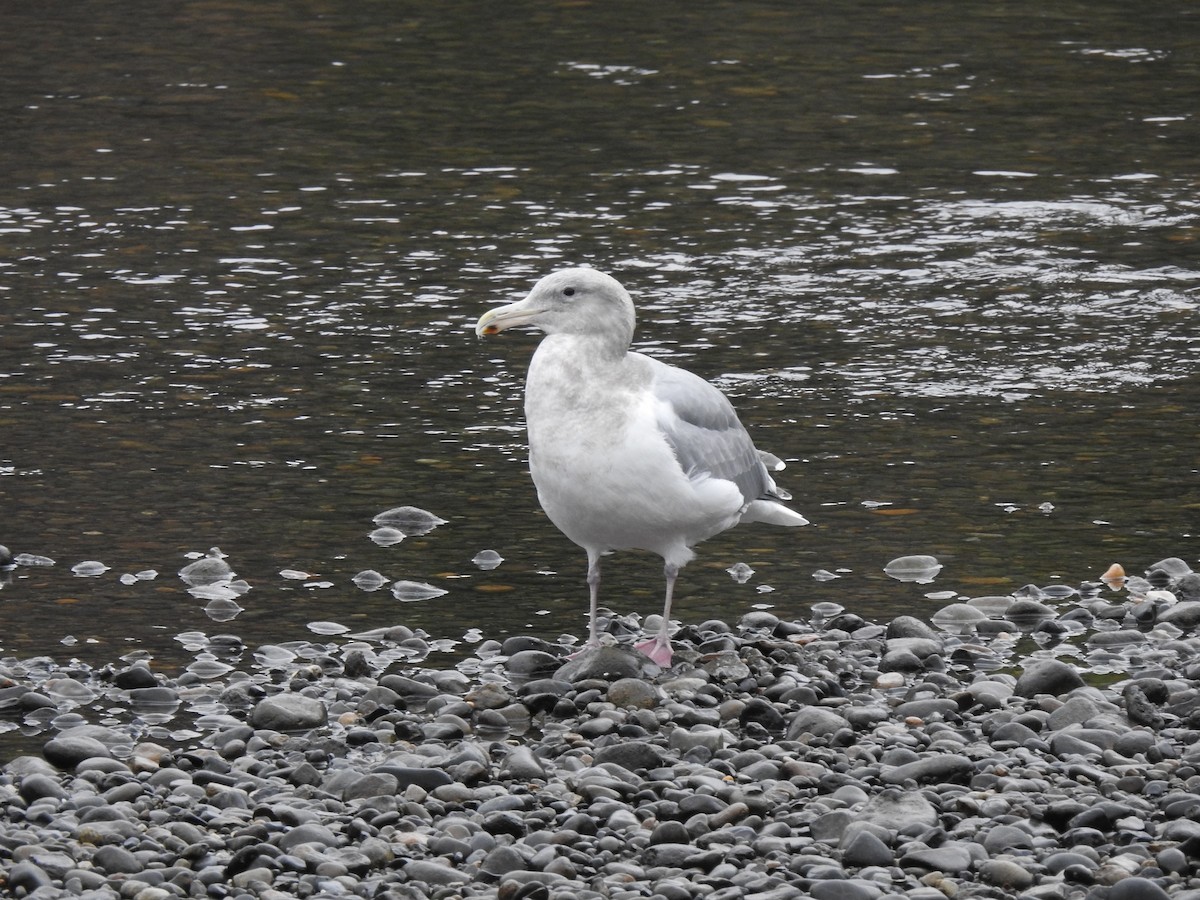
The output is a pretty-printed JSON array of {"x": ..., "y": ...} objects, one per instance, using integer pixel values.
[{"x": 503, "y": 317}]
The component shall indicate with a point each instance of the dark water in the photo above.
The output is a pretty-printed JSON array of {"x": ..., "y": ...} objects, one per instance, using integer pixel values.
[{"x": 943, "y": 258}]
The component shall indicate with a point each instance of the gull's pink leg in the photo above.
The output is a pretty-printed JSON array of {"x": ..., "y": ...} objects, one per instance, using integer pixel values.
[{"x": 658, "y": 648}]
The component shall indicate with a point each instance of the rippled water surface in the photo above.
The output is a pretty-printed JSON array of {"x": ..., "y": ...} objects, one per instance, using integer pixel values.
[{"x": 944, "y": 260}]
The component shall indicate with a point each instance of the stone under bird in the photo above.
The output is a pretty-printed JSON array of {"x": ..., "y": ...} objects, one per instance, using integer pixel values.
[{"x": 626, "y": 451}]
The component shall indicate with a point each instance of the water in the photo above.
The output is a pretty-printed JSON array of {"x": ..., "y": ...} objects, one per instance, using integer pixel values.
[{"x": 944, "y": 260}]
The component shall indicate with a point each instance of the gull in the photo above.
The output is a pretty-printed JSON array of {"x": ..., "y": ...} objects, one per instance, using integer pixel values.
[{"x": 626, "y": 451}]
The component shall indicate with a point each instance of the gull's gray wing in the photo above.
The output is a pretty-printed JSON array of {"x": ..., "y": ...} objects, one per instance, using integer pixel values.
[{"x": 703, "y": 430}]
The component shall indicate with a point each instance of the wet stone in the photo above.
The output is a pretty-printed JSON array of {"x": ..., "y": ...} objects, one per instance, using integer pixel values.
[
  {"x": 1048, "y": 676},
  {"x": 865, "y": 849},
  {"x": 67, "y": 752},
  {"x": 289, "y": 712}
]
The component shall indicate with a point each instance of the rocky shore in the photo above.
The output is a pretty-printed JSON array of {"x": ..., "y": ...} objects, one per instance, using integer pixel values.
[{"x": 1041, "y": 744}]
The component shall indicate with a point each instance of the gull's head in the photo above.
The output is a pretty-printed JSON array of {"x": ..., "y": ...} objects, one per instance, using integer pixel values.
[{"x": 571, "y": 301}]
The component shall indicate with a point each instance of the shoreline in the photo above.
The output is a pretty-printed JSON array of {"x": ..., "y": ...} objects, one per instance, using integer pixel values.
[{"x": 1031, "y": 745}]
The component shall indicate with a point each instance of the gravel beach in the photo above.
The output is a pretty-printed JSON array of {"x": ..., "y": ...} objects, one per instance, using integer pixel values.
[{"x": 1041, "y": 744}]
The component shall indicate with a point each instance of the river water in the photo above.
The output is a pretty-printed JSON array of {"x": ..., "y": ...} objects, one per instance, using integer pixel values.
[{"x": 942, "y": 257}]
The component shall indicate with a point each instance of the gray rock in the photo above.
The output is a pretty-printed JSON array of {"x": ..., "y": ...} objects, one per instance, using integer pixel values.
[
  {"x": 67, "y": 752},
  {"x": 814, "y": 720},
  {"x": 38, "y": 786},
  {"x": 632, "y": 755},
  {"x": 115, "y": 831},
  {"x": 1006, "y": 837},
  {"x": 307, "y": 833},
  {"x": 1014, "y": 733},
  {"x": 502, "y": 860},
  {"x": 943, "y": 767},
  {"x": 289, "y": 712},
  {"x": 920, "y": 647},
  {"x": 1006, "y": 873},
  {"x": 634, "y": 693},
  {"x": 522, "y": 765},
  {"x": 116, "y": 860},
  {"x": 372, "y": 784},
  {"x": 836, "y": 889},
  {"x": 1075, "y": 711},
  {"x": 894, "y": 810},
  {"x": 409, "y": 688},
  {"x": 1135, "y": 888},
  {"x": 1048, "y": 676},
  {"x": 606, "y": 663},
  {"x": 911, "y": 627},
  {"x": 1187, "y": 587},
  {"x": 865, "y": 849},
  {"x": 949, "y": 857},
  {"x": 829, "y": 827},
  {"x": 435, "y": 873},
  {"x": 1184, "y": 616},
  {"x": 27, "y": 877}
]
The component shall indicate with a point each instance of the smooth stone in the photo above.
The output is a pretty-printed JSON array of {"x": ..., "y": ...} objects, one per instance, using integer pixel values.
[
  {"x": 1067, "y": 743},
  {"x": 920, "y": 647},
  {"x": 67, "y": 752},
  {"x": 635, "y": 693},
  {"x": 488, "y": 696},
  {"x": 1006, "y": 837},
  {"x": 894, "y": 810},
  {"x": 1172, "y": 859},
  {"x": 1172, "y": 567},
  {"x": 670, "y": 832},
  {"x": 831, "y": 889},
  {"x": 865, "y": 849},
  {"x": 1047, "y": 676},
  {"x": 910, "y": 627},
  {"x": 1075, "y": 711},
  {"x": 927, "y": 708},
  {"x": 829, "y": 827},
  {"x": 22, "y": 766},
  {"x": 1139, "y": 707},
  {"x": 502, "y": 860},
  {"x": 605, "y": 663},
  {"x": 949, "y": 857},
  {"x": 762, "y": 713},
  {"x": 431, "y": 872},
  {"x": 631, "y": 755},
  {"x": 522, "y": 765},
  {"x": 54, "y": 863},
  {"x": 306, "y": 833},
  {"x": 409, "y": 688},
  {"x": 1185, "y": 615},
  {"x": 289, "y": 712},
  {"x": 407, "y": 776},
  {"x": 372, "y": 784},
  {"x": 944, "y": 767},
  {"x": 106, "y": 832},
  {"x": 28, "y": 877},
  {"x": 1064, "y": 859},
  {"x": 1135, "y": 888},
  {"x": 116, "y": 860},
  {"x": 815, "y": 720},
  {"x": 1027, "y": 611},
  {"x": 682, "y": 856},
  {"x": 39, "y": 787},
  {"x": 1006, "y": 873},
  {"x": 1014, "y": 732}
]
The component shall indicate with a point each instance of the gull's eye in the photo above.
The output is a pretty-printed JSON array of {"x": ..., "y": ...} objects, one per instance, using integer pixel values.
[{"x": 568, "y": 292}]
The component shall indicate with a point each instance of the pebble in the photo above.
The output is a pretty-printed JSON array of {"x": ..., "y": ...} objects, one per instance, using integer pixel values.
[{"x": 836, "y": 759}]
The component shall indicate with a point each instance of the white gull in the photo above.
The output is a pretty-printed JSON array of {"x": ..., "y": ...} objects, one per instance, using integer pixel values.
[{"x": 626, "y": 451}]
